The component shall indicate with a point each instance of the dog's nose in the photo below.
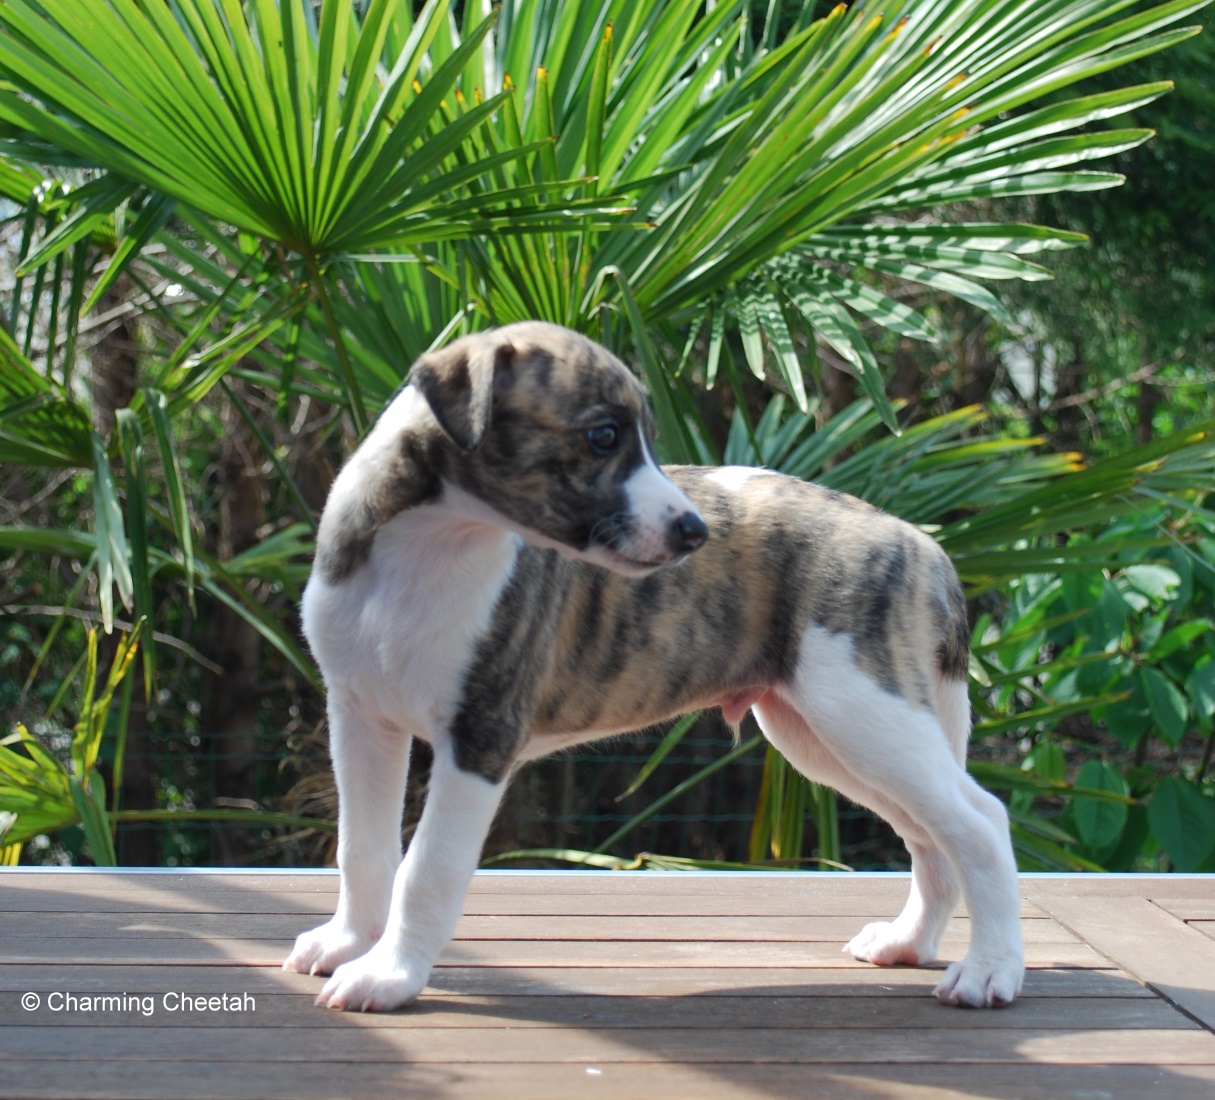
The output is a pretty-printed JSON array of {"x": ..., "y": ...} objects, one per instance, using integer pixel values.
[{"x": 687, "y": 533}]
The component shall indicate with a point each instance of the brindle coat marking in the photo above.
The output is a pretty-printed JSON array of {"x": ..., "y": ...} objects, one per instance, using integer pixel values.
[
  {"x": 488, "y": 578},
  {"x": 622, "y": 653}
]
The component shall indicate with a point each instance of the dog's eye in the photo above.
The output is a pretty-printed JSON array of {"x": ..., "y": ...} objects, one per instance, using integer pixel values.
[{"x": 603, "y": 438}]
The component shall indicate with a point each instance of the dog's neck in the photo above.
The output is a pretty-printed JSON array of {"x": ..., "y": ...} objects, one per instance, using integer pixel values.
[{"x": 445, "y": 539}]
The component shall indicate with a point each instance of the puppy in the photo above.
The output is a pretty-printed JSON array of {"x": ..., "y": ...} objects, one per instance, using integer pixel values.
[{"x": 504, "y": 571}]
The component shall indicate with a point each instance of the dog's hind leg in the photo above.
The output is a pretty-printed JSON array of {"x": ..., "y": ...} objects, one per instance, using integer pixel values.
[
  {"x": 427, "y": 894},
  {"x": 371, "y": 763},
  {"x": 902, "y": 753},
  {"x": 914, "y": 936}
]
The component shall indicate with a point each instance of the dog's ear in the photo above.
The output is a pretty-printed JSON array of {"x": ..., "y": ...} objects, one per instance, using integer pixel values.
[{"x": 458, "y": 384}]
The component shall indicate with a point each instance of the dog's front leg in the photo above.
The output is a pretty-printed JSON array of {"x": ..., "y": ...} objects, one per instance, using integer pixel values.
[
  {"x": 370, "y": 763},
  {"x": 427, "y": 895}
]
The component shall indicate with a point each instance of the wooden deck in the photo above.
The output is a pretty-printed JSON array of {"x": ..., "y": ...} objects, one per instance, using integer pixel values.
[{"x": 601, "y": 985}]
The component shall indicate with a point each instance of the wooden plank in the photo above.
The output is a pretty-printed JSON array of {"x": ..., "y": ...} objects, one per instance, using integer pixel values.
[
  {"x": 723, "y": 1081},
  {"x": 20, "y": 929},
  {"x": 334, "y": 1079},
  {"x": 148, "y": 949},
  {"x": 89, "y": 880},
  {"x": 421, "y": 1045},
  {"x": 1150, "y": 943},
  {"x": 617, "y": 883},
  {"x": 1187, "y": 909},
  {"x": 1206, "y": 927},
  {"x": 117, "y": 1007},
  {"x": 877, "y": 905},
  {"x": 459, "y": 982},
  {"x": 715, "y": 981},
  {"x": 1118, "y": 886},
  {"x": 884, "y": 891}
]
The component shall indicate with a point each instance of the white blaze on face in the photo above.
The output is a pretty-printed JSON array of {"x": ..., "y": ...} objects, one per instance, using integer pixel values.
[{"x": 655, "y": 502}]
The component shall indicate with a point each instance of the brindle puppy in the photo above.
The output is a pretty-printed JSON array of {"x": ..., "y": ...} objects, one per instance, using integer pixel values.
[{"x": 503, "y": 571}]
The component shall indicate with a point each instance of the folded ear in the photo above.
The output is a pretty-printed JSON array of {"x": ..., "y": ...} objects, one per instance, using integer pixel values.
[{"x": 458, "y": 384}]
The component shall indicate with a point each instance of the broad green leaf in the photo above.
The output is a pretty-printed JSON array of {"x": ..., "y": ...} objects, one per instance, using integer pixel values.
[
  {"x": 1183, "y": 820},
  {"x": 1167, "y": 703},
  {"x": 1200, "y": 687},
  {"x": 1179, "y": 638},
  {"x": 1100, "y": 823},
  {"x": 1047, "y": 759},
  {"x": 1157, "y": 581},
  {"x": 1128, "y": 720}
]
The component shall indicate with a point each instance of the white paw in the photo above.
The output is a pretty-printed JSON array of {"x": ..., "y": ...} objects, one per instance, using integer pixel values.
[
  {"x": 375, "y": 982},
  {"x": 325, "y": 948},
  {"x": 889, "y": 944},
  {"x": 982, "y": 982}
]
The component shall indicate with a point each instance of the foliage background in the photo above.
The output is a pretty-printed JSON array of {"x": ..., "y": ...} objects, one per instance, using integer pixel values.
[{"x": 204, "y": 311}]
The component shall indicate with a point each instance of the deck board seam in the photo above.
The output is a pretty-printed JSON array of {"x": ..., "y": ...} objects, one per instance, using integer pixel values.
[{"x": 1163, "y": 994}]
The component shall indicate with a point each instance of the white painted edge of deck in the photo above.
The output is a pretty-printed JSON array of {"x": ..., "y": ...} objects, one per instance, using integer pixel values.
[{"x": 1025, "y": 876}]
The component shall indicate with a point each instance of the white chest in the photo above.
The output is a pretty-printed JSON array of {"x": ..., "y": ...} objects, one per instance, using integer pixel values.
[{"x": 399, "y": 633}]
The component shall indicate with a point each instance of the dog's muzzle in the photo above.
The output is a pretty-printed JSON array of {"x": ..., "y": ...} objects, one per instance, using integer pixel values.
[{"x": 686, "y": 533}]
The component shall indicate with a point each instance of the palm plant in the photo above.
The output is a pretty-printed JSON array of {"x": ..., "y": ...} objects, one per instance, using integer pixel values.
[
  {"x": 307, "y": 196},
  {"x": 778, "y": 182}
]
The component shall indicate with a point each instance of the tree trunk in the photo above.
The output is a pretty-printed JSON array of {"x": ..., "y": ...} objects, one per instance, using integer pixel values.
[
  {"x": 230, "y": 713},
  {"x": 1146, "y": 405}
]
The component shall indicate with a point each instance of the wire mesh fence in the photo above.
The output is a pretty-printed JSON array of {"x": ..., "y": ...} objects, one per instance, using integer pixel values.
[{"x": 574, "y": 801}]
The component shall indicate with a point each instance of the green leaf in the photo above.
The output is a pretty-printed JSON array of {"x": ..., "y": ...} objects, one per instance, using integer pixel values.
[
  {"x": 1200, "y": 687},
  {"x": 1046, "y": 759},
  {"x": 1158, "y": 581},
  {"x": 1038, "y": 853},
  {"x": 1129, "y": 719},
  {"x": 672, "y": 738},
  {"x": 1179, "y": 638},
  {"x": 40, "y": 423},
  {"x": 89, "y": 206},
  {"x": 1011, "y": 778},
  {"x": 179, "y": 512},
  {"x": 113, "y": 556},
  {"x": 674, "y": 428},
  {"x": 89, "y": 800},
  {"x": 1183, "y": 820},
  {"x": 834, "y": 324},
  {"x": 1167, "y": 703},
  {"x": 152, "y": 217},
  {"x": 1099, "y": 822}
]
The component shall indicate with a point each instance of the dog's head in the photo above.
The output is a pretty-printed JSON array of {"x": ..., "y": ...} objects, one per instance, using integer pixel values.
[{"x": 551, "y": 434}]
